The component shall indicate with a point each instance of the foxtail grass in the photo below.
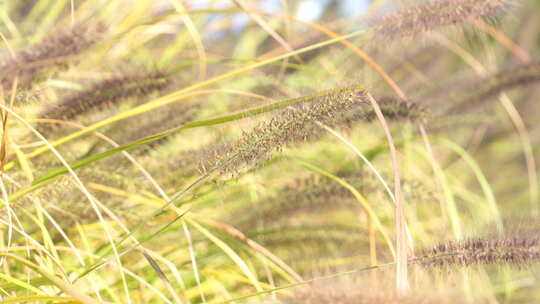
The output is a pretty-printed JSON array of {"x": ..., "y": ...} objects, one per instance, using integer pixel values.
[
  {"x": 55, "y": 51},
  {"x": 342, "y": 107},
  {"x": 515, "y": 250},
  {"x": 105, "y": 93},
  {"x": 484, "y": 89},
  {"x": 435, "y": 14}
]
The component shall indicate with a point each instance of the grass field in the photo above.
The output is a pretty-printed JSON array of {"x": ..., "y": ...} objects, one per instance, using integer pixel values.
[{"x": 271, "y": 151}]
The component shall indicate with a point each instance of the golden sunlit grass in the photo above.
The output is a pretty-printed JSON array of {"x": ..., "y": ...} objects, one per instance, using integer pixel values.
[{"x": 166, "y": 152}]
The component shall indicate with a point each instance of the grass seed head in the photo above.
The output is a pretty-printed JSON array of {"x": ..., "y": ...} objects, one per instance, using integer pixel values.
[
  {"x": 506, "y": 79},
  {"x": 294, "y": 124},
  {"x": 429, "y": 16},
  {"x": 106, "y": 92},
  {"x": 516, "y": 250},
  {"x": 55, "y": 50},
  {"x": 341, "y": 107}
]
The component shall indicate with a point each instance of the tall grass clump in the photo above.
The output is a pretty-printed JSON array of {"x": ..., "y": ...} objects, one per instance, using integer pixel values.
[{"x": 259, "y": 152}]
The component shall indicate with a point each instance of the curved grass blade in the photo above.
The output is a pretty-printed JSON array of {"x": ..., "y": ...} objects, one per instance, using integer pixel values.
[
  {"x": 228, "y": 251},
  {"x": 33, "y": 298},
  {"x": 482, "y": 180},
  {"x": 332, "y": 276},
  {"x": 358, "y": 197},
  {"x": 64, "y": 286},
  {"x": 16, "y": 284}
]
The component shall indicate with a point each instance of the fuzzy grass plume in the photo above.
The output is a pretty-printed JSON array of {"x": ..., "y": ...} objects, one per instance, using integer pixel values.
[
  {"x": 291, "y": 125},
  {"x": 55, "y": 50},
  {"x": 429, "y": 16},
  {"x": 335, "y": 108},
  {"x": 522, "y": 75},
  {"x": 513, "y": 249},
  {"x": 208, "y": 248},
  {"x": 106, "y": 92},
  {"x": 303, "y": 196},
  {"x": 358, "y": 292}
]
